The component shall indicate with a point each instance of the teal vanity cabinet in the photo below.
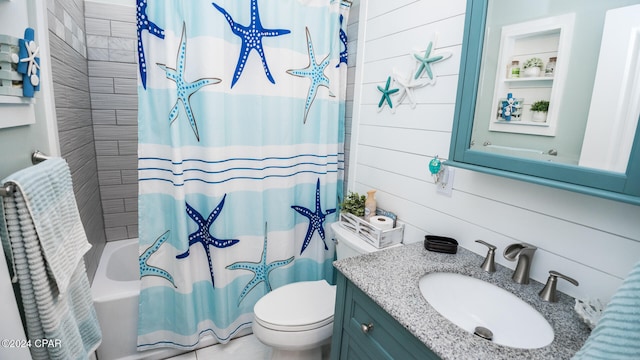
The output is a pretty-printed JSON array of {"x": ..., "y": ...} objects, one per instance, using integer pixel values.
[{"x": 363, "y": 330}]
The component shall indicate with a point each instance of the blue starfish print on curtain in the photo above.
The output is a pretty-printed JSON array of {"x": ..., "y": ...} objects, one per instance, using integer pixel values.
[
  {"x": 148, "y": 270},
  {"x": 343, "y": 39},
  {"x": 315, "y": 72},
  {"x": 251, "y": 36},
  {"x": 203, "y": 234},
  {"x": 316, "y": 220},
  {"x": 261, "y": 269},
  {"x": 145, "y": 24},
  {"x": 184, "y": 88}
]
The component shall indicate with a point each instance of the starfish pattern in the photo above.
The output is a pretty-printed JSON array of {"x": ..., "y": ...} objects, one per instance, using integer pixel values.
[
  {"x": 343, "y": 39},
  {"x": 251, "y": 36},
  {"x": 386, "y": 94},
  {"x": 406, "y": 84},
  {"x": 426, "y": 60},
  {"x": 145, "y": 24},
  {"x": 203, "y": 234},
  {"x": 184, "y": 88},
  {"x": 316, "y": 220},
  {"x": 315, "y": 72},
  {"x": 260, "y": 269},
  {"x": 148, "y": 270}
]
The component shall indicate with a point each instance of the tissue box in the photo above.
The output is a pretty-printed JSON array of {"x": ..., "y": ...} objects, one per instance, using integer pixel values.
[{"x": 369, "y": 233}]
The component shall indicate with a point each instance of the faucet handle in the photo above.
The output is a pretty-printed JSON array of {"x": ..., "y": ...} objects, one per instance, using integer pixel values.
[
  {"x": 548, "y": 293},
  {"x": 489, "y": 264}
]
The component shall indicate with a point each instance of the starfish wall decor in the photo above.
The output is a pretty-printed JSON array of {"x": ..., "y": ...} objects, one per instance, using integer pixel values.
[
  {"x": 184, "y": 88},
  {"x": 316, "y": 220},
  {"x": 260, "y": 269},
  {"x": 203, "y": 234},
  {"x": 315, "y": 72},
  {"x": 251, "y": 36},
  {"x": 425, "y": 61},
  {"x": 148, "y": 270},
  {"x": 29, "y": 63},
  {"x": 144, "y": 23},
  {"x": 386, "y": 94}
]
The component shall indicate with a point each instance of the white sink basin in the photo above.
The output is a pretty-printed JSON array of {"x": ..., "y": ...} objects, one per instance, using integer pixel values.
[{"x": 469, "y": 302}]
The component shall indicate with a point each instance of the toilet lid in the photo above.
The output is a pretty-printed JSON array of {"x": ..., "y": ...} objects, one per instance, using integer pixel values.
[{"x": 298, "y": 306}]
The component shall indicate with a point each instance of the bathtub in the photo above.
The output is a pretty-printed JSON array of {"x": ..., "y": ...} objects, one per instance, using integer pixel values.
[{"x": 115, "y": 291}]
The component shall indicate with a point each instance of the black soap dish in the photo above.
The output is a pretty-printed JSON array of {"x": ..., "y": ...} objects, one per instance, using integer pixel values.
[{"x": 440, "y": 244}]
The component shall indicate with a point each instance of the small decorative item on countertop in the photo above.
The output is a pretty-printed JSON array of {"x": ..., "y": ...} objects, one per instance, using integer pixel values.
[
  {"x": 370, "y": 205},
  {"x": 589, "y": 310},
  {"x": 440, "y": 244}
]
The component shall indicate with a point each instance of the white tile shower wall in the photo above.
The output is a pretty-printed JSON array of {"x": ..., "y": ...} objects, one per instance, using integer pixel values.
[
  {"x": 594, "y": 240},
  {"x": 111, "y": 44},
  {"x": 73, "y": 113}
]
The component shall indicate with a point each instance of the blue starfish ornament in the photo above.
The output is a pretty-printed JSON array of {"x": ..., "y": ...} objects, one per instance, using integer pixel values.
[
  {"x": 343, "y": 39},
  {"x": 261, "y": 269},
  {"x": 316, "y": 220},
  {"x": 145, "y": 24},
  {"x": 148, "y": 270},
  {"x": 386, "y": 94},
  {"x": 184, "y": 88},
  {"x": 315, "y": 72},
  {"x": 251, "y": 36},
  {"x": 426, "y": 60},
  {"x": 203, "y": 234}
]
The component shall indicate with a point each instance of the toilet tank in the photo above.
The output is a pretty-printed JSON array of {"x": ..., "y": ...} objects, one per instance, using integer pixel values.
[{"x": 349, "y": 244}]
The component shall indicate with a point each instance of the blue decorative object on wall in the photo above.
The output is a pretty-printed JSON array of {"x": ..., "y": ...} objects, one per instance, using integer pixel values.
[
  {"x": 316, "y": 219},
  {"x": 184, "y": 88},
  {"x": 144, "y": 23},
  {"x": 29, "y": 63},
  {"x": 260, "y": 269},
  {"x": 510, "y": 107},
  {"x": 386, "y": 94},
  {"x": 315, "y": 72},
  {"x": 203, "y": 234},
  {"x": 251, "y": 36}
]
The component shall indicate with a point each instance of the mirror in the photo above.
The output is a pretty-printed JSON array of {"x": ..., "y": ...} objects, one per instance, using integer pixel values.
[{"x": 578, "y": 60}]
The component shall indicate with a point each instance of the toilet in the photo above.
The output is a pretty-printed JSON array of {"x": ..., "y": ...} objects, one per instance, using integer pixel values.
[{"x": 296, "y": 320}]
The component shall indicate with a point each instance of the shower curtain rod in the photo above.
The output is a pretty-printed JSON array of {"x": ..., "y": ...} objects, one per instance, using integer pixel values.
[{"x": 37, "y": 157}]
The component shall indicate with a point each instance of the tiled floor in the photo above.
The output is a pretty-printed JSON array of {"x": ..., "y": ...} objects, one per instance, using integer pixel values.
[{"x": 243, "y": 348}]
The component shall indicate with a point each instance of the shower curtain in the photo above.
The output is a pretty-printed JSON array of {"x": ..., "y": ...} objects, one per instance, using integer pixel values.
[{"x": 241, "y": 132}]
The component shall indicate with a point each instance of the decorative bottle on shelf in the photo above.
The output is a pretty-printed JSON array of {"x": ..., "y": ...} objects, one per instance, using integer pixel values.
[
  {"x": 514, "y": 69},
  {"x": 551, "y": 67},
  {"x": 370, "y": 205}
]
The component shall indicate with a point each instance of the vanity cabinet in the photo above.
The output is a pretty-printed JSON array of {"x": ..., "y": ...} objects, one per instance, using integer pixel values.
[{"x": 363, "y": 330}]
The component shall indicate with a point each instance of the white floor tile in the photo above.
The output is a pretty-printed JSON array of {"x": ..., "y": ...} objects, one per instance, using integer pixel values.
[{"x": 243, "y": 348}]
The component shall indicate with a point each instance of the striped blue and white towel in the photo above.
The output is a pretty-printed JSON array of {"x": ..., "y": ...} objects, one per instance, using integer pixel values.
[
  {"x": 42, "y": 228},
  {"x": 617, "y": 334}
]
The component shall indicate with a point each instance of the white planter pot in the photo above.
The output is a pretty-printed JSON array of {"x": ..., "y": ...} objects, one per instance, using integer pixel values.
[
  {"x": 531, "y": 72},
  {"x": 539, "y": 116}
]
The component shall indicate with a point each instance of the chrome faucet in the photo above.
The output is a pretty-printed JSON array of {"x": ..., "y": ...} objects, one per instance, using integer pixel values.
[{"x": 524, "y": 253}]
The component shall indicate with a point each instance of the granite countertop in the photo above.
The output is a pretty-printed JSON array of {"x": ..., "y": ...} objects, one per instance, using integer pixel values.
[{"x": 390, "y": 277}]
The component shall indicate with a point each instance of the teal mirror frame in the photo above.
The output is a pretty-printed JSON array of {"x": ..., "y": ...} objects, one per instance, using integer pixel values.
[{"x": 623, "y": 187}]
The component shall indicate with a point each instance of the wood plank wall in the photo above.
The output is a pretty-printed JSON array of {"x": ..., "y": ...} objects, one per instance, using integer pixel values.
[{"x": 593, "y": 240}]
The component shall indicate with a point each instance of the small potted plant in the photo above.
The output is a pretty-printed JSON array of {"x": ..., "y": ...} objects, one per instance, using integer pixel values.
[
  {"x": 533, "y": 67},
  {"x": 539, "y": 111},
  {"x": 353, "y": 204}
]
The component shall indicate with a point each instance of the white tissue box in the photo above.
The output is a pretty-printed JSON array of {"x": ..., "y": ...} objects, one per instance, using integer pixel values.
[{"x": 371, "y": 234}]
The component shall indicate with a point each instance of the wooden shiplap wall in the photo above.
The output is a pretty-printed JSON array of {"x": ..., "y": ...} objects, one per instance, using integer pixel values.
[
  {"x": 593, "y": 240},
  {"x": 73, "y": 112}
]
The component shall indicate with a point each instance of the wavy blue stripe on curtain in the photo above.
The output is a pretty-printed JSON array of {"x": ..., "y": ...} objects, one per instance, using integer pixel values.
[{"x": 236, "y": 163}]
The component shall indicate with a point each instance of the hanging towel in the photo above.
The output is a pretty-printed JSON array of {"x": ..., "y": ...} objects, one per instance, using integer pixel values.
[
  {"x": 617, "y": 334},
  {"x": 47, "y": 241}
]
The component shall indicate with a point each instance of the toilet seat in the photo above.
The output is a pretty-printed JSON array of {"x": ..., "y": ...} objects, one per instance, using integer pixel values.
[{"x": 300, "y": 306}]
